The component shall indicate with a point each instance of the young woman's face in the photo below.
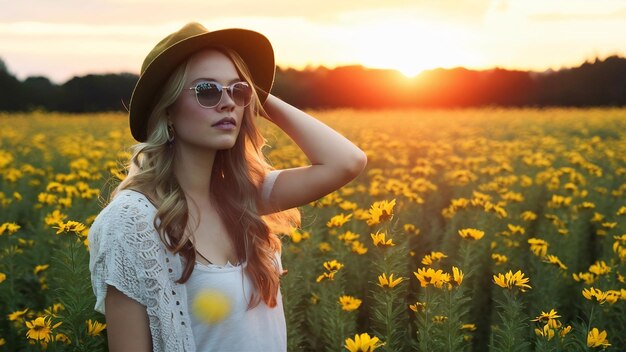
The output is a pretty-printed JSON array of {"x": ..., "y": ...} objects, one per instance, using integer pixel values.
[{"x": 197, "y": 126}]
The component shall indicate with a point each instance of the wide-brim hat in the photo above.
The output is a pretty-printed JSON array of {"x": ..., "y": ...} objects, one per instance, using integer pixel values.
[{"x": 253, "y": 47}]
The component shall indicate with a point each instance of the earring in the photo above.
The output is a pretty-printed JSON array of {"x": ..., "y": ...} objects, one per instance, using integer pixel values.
[{"x": 170, "y": 134}]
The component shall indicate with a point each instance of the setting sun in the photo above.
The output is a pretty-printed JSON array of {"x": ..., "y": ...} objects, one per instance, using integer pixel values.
[{"x": 411, "y": 46}]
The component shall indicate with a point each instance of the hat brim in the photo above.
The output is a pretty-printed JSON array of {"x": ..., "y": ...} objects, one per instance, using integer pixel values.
[{"x": 253, "y": 47}]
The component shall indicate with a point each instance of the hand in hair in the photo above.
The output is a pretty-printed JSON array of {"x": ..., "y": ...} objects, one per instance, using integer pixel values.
[{"x": 335, "y": 160}]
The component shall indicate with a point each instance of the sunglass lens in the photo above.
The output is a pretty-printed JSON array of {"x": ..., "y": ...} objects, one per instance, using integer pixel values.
[
  {"x": 209, "y": 94},
  {"x": 242, "y": 94}
]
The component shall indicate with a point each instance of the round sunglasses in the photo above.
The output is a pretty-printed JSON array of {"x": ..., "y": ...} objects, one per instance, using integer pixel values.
[{"x": 209, "y": 94}]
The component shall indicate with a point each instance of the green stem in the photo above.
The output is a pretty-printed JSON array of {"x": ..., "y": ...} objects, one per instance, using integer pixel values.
[
  {"x": 388, "y": 327},
  {"x": 425, "y": 335},
  {"x": 449, "y": 314},
  {"x": 11, "y": 274},
  {"x": 75, "y": 329},
  {"x": 589, "y": 325}
]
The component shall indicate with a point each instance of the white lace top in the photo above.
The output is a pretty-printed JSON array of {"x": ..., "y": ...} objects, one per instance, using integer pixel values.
[{"x": 126, "y": 252}]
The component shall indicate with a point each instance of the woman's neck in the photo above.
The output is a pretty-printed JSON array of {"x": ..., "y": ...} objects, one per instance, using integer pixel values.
[{"x": 193, "y": 167}]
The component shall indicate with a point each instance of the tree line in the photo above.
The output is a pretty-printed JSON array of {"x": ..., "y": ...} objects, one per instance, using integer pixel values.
[{"x": 597, "y": 83}]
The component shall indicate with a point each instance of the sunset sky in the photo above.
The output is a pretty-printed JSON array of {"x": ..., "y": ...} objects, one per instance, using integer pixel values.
[{"x": 63, "y": 38}]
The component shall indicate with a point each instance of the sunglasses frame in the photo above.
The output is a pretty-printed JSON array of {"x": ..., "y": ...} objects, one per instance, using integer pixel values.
[{"x": 228, "y": 89}]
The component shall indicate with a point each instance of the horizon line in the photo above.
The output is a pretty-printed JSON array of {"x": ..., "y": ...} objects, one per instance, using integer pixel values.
[{"x": 312, "y": 67}]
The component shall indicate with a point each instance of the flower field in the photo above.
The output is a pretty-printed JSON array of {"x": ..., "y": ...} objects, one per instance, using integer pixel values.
[{"x": 469, "y": 230}]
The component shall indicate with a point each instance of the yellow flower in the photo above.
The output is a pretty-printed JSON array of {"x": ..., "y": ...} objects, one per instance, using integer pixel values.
[
  {"x": 595, "y": 338},
  {"x": 599, "y": 268},
  {"x": 547, "y": 332},
  {"x": 349, "y": 236},
  {"x": 609, "y": 225},
  {"x": 380, "y": 240},
  {"x": 593, "y": 293},
  {"x": 428, "y": 276},
  {"x": 516, "y": 229},
  {"x": 499, "y": 258},
  {"x": 597, "y": 217},
  {"x": 547, "y": 317},
  {"x": 510, "y": 280},
  {"x": 325, "y": 247},
  {"x": 338, "y": 220},
  {"x": 553, "y": 259},
  {"x": 528, "y": 216},
  {"x": 40, "y": 329},
  {"x": 52, "y": 310},
  {"x": 380, "y": 212},
  {"x": 417, "y": 307},
  {"x": 46, "y": 198},
  {"x": 559, "y": 201},
  {"x": 54, "y": 218},
  {"x": 17, "y": 314},
  {"x": 566, "y": 330},
  {"x": 391, "y": 283},
  {"x": 587, "y": 205},
  {"x": 411, "y": 229},
  {"x": 330, "y": 276},
  {"x": 70, "y": 226},
  {"x": 358, "y": 248},
  {"x": 9, "y": 227},
  {"x": 39, "y": 268},
  {"x": 298, "y": 236},
  {"x": 363, "y": 343},
  {"x": 62, "y": 338},
  {"x": 211, "y": 306},
  {"x": 332, "y": 265},
  {"x": 468, "y": 327},
  {"x": 612, "y": 296},
  {"x": 538, "y": 246},
  {"x": 457, "y": 276},
  {"x": 471, "y": 234},
  {"x": 314, "y": 298},
  {"x": 429, "y": 259},
  {"x": 3, "y": 277},
  {"x": 94, "y": 328},
  {"x": 439, "y": 319},
  {"x": 349, "y": 303},
  {"x": 347, "y": 205},
  {"x": 588, "y": 278}
]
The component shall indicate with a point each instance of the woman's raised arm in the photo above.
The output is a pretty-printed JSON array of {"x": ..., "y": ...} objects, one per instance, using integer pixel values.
[{"x": 335, "y": 160}]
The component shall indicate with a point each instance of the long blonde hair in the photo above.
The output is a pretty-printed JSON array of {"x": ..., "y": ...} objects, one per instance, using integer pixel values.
[{"x": 236, "y": 179}]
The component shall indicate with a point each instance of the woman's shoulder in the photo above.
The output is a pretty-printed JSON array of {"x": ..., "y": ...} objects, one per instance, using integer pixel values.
[
  {"x": 130, "y": 198},
  {"x": 127, "y": 205},
  {"x": 127, "y": 219}
]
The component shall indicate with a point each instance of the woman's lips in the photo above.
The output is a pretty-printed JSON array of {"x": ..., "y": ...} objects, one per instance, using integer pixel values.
[
  {"x": 226, "y": 120},
  {"x": 225, "y": 126}
]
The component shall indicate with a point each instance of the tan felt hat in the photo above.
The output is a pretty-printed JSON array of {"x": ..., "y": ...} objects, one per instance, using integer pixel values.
[{"x": 253, "y": 47}]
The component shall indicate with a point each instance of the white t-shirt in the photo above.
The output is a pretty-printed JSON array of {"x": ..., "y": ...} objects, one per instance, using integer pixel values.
[{"x": 259, "y": 329}]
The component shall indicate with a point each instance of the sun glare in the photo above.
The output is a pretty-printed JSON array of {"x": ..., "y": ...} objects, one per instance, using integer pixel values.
[
  {"x": 409, "y": 69},
  {"x": 410, "y": 46}
]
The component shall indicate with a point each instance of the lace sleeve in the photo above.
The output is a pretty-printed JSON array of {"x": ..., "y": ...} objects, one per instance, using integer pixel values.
[{"x": 113, "y": 255}]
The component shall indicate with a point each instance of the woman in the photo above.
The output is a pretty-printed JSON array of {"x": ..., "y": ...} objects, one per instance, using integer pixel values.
[{"x": 199, "y": 184}]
